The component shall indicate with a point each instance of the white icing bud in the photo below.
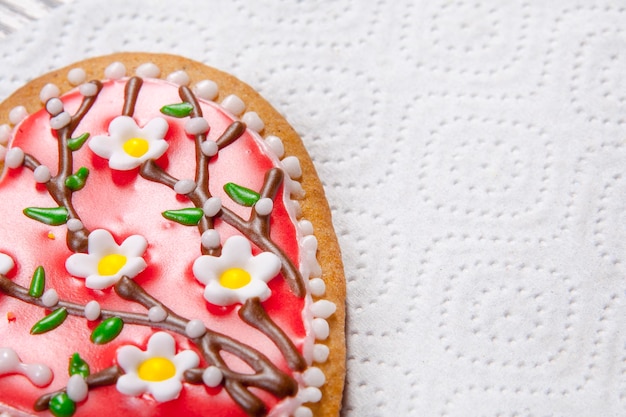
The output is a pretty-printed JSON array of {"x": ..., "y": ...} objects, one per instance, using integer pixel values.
[
  {"x": 50, "y": 298},
  {"x": 303, "y": 412},
  {"x": 17, "y": 114},
  {"x": 320, "y": 353},
  {"x": 276, "y": 145},
  {"x": 314, "y": 377},
  {"x": 195, "y": 328},
  {"x": 320, "y": 329},
  {"x": 77, "y": 389},
  {"x": 309, "y": 243},
  {"x": 295, "y": 188},
  {"x": 88, "y": 89},
  {"x": 206, "y": 89},
  {"x": 323, "y": 308},
  {"x": 74, "y": 225},
  {"x": 42, "y": 174},
  {"x": 8, "y": 360},
  {"x": 6, "y": 263},
  {"x": 196, "y": 126},
  {"x": 209, "y": 148},
  {"x": 292, "y": 166},
  {"x": 234, "y": 104},
  {"x": 306, "y": 227},
  {"x": 210, "y": 239},
  {"x": 54, "y": 106},
  {"x": 253, "y": 121},
  {"x": 264, "y": 206},
  {"x": 49, "y": 91},
  {"x": 309, "y": 248},
  {"x": 295, "y": 206},
  {"x": 92, "y": 310},
  {"x": 38, "y": 373},
  {"x": 310, "y": 394},
  {"x": 157, "y": 314},
  {"x": 179, "y": 78},
  {"x": 212, "y": 376},
  {"x": 317, "y": 287},
  {"x": 184, "y": 186},
  {"x": 60, "y": 120},
  {"x": 212, "y": 206},
  {"x": 148, "y": 70},
  {"x": 115, "y": 71},
  {"x": 76, "y": 76},
  {"x": 14, "y": 158},
  {"x": 5, "y": 134}
]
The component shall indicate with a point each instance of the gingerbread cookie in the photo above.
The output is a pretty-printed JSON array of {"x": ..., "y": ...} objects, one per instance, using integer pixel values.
[{"x": 166, "y": 249}]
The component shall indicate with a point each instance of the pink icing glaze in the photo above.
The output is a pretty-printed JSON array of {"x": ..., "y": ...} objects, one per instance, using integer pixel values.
[{"x": 126, "y": 204}]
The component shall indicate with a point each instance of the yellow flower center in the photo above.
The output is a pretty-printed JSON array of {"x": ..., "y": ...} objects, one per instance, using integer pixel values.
[
  {"x": 156, "y": 369},
  {"x": 234, "y": 278},
  {"x": 136, "y": 147},
  {"x": 111, "y": 264}
]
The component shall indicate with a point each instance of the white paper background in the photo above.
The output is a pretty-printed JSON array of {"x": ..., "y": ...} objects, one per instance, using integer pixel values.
[{"x": 473, "y": 156}]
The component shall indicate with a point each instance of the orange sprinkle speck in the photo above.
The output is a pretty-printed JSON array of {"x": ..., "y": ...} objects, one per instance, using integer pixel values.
[
  {"x": 51, "y": 236},
  {"x": 10, "y": 316}
]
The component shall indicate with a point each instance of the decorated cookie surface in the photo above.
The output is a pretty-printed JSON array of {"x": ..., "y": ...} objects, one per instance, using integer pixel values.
[{"x": 165, "y": 249}]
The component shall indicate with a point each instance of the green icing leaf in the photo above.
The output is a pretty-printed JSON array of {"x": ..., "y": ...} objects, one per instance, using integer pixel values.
[
  {"x": 62, "y": 406},
  {"x": 38, "y": 283},
  {"x": 187, "y": 216},
  {"x": 108, "y": 330},
  {"x": 78, "y": 366},
  {"x": 76, "y": 143},
  {"x": 50, "y": 322},
  {"x": 53, "y": 216},
  {"x": 77, "y": 181},
  {"x": 177, "y": 110},
  {"x": 241, "y": 195}
]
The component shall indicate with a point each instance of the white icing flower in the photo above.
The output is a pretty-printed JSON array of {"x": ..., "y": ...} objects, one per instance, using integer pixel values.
[
  {"x": 236, "y": 275},
  {"x": 106, "y": 261},
  {"x": 128, "y": 145},
  {"x": 6, "y": 263},
  {"x": 158, "y": 370}
]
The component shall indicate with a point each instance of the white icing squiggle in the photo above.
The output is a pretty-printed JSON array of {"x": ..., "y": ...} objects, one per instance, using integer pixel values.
[{"x": 40, "y": 375}]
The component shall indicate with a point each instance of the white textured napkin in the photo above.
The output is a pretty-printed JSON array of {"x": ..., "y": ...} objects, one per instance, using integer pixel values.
[{"x": 473, "y": 154}]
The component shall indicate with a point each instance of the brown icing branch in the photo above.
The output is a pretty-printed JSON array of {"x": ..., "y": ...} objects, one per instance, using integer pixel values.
[
  {"x": 253, "y": 313},
  {"x": 108, "y": 376},
  {"x": 271, "y": 184},
  {"x": 31, "y": 162},
  {"x": 257, "y": 230},
  {"x": 62, "y": 195},
  {"x": 201, "y": 191},
  {"x": 131, "y": 93},
  {"x": 231, "y": 134},
  {"x": 240, "y": 386},
  {"x": 266, "y": 376},
  {"x": 16, "y": 291}
]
